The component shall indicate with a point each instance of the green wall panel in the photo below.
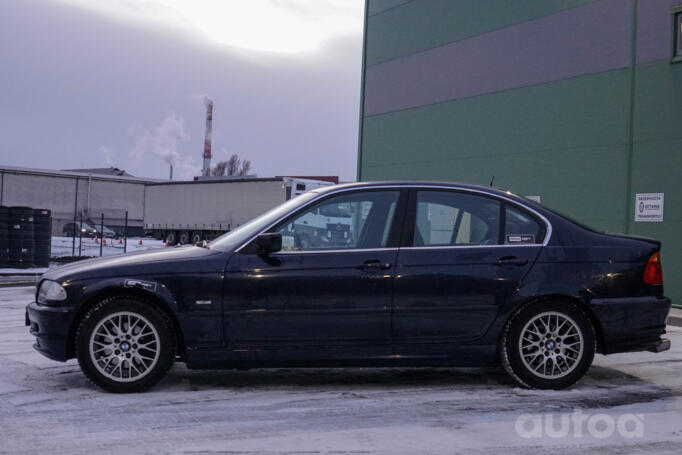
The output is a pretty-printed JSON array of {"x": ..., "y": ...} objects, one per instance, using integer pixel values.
[
  {"x": 658, "y": 102},
  {"x": 589, "y": 111},
  {"x": 424, "y": 24}
]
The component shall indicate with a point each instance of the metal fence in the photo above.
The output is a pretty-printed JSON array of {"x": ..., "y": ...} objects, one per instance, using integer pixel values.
[{"x": 93, "y": 228}]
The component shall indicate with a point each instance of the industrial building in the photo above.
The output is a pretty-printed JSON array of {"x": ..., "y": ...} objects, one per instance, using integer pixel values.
[
  {"x": 177, "y": 210},
  {"x": 577, "y": 102},
  {"x": 70, "y": 194}
]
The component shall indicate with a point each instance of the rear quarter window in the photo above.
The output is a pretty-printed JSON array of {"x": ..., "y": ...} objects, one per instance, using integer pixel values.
[{"x": 520, "y": 227}]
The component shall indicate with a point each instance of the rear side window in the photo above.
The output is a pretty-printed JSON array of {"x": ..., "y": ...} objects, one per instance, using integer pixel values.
[
  {"x": 521, "y": 228},
  {"x": 447, "y": 218}
]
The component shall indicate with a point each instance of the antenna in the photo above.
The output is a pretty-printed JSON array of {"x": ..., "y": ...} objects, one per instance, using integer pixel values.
[{"x": 492, "y": 180}]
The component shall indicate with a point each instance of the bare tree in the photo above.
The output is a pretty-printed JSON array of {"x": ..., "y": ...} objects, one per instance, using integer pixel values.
[
  {"x": 233, "y": 166},
  {"x": 219, "y": 168},
  {"x": 246, "y": 167}
]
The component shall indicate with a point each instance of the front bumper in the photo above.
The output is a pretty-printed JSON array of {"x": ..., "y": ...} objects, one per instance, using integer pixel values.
[
  {"x": 632, "y": 324},
  {"x": 50, "y": 325}
]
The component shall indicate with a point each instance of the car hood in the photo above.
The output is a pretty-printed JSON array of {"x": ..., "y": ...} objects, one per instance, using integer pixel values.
[{"x": 156, "y": 262}]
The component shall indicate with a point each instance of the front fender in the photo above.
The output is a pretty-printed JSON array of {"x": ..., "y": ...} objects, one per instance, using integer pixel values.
[{"x": 84, "y": 294}]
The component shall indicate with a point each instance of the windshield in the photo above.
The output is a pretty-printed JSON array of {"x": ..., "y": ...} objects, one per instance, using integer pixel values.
[{"x": 237, "y": 236}]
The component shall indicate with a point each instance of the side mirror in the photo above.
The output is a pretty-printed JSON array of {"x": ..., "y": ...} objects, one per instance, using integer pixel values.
[{"x": 269, "y": 242}]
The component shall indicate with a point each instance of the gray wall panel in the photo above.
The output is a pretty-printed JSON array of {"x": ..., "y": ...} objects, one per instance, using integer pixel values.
[
  {"x": 583, "y": 40},
  {"x": 654, "y": 29}
]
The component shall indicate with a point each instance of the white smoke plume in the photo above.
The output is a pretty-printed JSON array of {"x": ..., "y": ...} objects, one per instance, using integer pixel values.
[
  {"x": 162, "y": 141},
  {"x": 108, "y": 155},
  {"x": 201, "y": 99}
]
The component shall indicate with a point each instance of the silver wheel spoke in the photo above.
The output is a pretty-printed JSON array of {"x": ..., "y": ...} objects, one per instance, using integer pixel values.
[
  {"x": 551, "y": 345},
  {"x": 121, "y": 354}
]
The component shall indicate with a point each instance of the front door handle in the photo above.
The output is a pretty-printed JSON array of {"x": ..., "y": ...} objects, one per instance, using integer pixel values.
[
  {"x": 511, "y": 260},
  {"x": 374, "y": 264}
]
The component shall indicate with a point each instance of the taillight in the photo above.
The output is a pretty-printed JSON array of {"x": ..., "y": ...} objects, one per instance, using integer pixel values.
[{"x": 653, "y": 273}]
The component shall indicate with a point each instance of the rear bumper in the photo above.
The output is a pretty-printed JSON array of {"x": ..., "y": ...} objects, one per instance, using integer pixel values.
[
  {"x": 632, "y": 324},
  {"x": 50, "y": 326}
]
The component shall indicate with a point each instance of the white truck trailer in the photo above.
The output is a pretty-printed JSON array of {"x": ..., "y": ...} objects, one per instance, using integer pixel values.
[{"x": 188, "y": 212}]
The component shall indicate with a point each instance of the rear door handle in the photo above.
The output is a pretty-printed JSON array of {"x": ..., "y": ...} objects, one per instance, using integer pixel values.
[
  {"x": 374, "y": 264},
  {"x": 511, "y": 260}
]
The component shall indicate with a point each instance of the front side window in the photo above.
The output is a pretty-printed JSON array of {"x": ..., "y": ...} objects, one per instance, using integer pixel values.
[
  {"x": 447, "y": 218},
  {"x": 355, "y": 220}
]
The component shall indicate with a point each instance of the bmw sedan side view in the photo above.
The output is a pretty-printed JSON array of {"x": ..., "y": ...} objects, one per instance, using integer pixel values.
[{"x": 368, "y": 274}]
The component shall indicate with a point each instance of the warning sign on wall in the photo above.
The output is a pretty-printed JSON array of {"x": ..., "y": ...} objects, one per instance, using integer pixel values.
[{"x": 649, "y": 207}]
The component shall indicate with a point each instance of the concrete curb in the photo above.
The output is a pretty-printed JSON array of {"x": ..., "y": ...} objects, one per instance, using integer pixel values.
[
  {"x": 12, "y": 275},
  {"x": 14, "y": 281}
]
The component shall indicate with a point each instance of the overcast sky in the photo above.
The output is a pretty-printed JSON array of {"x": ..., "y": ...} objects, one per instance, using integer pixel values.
[{"x": 91, "y": 83}]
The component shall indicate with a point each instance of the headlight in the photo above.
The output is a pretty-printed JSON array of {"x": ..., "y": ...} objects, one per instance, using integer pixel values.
[{"x": 51, "y": 291}]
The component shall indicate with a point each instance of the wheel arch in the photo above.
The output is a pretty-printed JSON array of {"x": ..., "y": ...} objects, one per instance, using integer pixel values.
[
  {"x": 596, "y": 325},
  {"x": 119, "y": 291}
]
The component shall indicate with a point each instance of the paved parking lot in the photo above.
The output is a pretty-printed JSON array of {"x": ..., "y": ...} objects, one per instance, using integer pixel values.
[{"x": 49, "y": 406}]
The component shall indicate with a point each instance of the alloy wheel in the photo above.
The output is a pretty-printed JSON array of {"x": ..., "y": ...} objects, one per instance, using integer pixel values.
[
  {"x": 551, "y": 345},
  {"x": 124, "y": 346}
]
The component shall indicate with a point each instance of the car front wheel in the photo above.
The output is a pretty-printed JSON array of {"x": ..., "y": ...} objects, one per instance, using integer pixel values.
[
  {"x": 548, "y": 345},
  {"x": 125, "y": 345}
]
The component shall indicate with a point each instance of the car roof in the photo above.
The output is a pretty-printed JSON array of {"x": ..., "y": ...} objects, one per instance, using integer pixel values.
[{"x": 422, "y": 184}]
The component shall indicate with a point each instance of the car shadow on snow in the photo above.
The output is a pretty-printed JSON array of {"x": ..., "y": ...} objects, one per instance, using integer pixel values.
[{"x": 602, "y": 387}]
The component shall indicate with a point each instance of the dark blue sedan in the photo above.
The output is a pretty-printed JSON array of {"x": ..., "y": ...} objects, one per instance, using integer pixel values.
[{"x": 368, "y": 274}]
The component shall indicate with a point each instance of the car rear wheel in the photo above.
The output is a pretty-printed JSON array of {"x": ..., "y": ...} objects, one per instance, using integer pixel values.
[
  {"x": 548, "y": 345},
  {"x": 125, "y": 345}
]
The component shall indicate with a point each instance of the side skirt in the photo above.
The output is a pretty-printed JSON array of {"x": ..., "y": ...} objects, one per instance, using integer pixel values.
[{"x": 461, "y": 356}]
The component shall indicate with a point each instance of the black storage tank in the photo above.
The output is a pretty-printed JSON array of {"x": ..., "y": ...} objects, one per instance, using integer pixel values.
[
  {"x": 42, "y": 235},
  {"x": 4, "y": 236},
  {"x": 21, "y": 243}
]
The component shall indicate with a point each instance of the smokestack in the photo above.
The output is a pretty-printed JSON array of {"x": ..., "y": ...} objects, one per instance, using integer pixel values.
[
  {"x": 171, "y": 172},
  {"x": 207, "y": 138}
]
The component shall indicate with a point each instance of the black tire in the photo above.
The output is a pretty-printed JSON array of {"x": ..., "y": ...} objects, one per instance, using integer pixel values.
[
  {"x": 196, "y": 237},
  {"x": 172, "y": 238},
  {"x": 552, "y": 354},
  {"x": 107, "y": 308},
  {"x": 184, "y": 238}
]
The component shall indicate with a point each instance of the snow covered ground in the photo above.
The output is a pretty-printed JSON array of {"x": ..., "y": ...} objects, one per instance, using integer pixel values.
[{"x": 49, "y": 406}]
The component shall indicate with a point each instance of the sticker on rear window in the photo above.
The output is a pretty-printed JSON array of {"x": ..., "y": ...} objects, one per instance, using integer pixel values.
[{"x": 520, "y": 238}]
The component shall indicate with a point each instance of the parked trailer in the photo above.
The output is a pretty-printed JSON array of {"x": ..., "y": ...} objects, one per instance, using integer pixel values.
[{"x": 188, "y": 212}]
